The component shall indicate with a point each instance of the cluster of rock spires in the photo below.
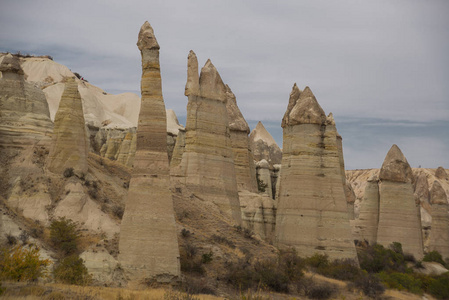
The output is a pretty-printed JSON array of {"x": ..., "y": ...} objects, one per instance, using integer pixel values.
[{"x": 298, "y": 197}]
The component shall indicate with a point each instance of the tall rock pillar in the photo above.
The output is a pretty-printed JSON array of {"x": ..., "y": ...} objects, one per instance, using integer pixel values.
[
  {"x": 148, "y": 240},
  {"x": 208, "y": 161},
  {"x": 312, "y": 211},
  {"x": 439, "y": 234},
  {"x": 399, "y": 215}
]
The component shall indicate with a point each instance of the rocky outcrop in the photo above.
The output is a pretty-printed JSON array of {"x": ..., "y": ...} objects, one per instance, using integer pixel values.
[
  {"x": 243, "y": 159},
  {"x": 148, "y": 242},
  {"x": 399, "y": 215},
  {"x": 439, "y": 234},
  {"x": 263, "y": 146},
  {"x": 207, "y": 167},
  {"x": 440, "y": 173},
  {"x": 70, "y": 145},
  {"x": 312, "y": 208},
  {"x": 264, "y": 178}
]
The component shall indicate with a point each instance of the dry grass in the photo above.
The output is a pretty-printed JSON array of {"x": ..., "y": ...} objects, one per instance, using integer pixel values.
[{"x": 14, "y": 290}]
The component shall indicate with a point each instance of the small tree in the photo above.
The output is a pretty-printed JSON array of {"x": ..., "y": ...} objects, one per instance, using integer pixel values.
[
  {"x": 64, "y": 235},
  {"x": 22, "y": 264},
  {"x": 71, "y": 270}
]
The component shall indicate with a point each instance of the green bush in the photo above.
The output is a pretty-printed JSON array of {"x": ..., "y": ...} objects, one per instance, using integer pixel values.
[
  {"x": 68, "y": 172},
  {"x": 341, "y": 269},
  {"x": 207, "y": 257},
  {"x": 376, "y": 258},
  {"x": 21, "y": 264},
  {"x": 318, "y": 261},
  {"x": 64, "y": 235},
  {"x": 71, "y": 270},
  {"x": 402, "y": 281},
  {"x": 369, "y": 284},
  {"x": 434, "y": 256},
  {"x": 439, "y": 287},
  {"x": 320, "y": 291}
]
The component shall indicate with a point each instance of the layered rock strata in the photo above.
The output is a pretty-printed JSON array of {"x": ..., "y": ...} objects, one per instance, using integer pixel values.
[
  {"x": 207, "y": 165},
  {"x": 70, "y": 146},
  {"x": 439, "y": 234},
  {"x": 148, "y": 242},
  {"x": 399, "y": 215},
  {"x": 263, "y": 146},
  {"x": 312, "y": 209},
  {"x": 264, "y": 178}
]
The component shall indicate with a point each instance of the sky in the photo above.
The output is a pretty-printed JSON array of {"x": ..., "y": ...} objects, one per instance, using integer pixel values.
[{"x": 381, "y": 66}]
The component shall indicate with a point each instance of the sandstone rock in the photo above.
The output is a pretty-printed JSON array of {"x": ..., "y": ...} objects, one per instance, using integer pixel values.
[
  {"x": 431, "y": 268},
  {"x": 263, "y": 146},
  {"x": 244, "y": 162},
  {"x": 399, "y": 215},
  {"x": 312, "y": 208},
  {"x": 70, "y": 146},
  {"x": 440, "y": 173},
  {"x": 148, "y": 241},
  {"x": 193, "y": 79},
  {"x": 422, "y": 189},
  {"x": 264, "y": 177},
  {"x": 277, "y": 170},
  {"x": 178, "y": 152},
  {"x": 124, "y": 152},
  {"x": 102, "y": 266},
  {"x": 350, "y": 200},
  {"x": 294, "y": 96},
  {"x": 439, "y": 234},
  {"x": 207, "y": 165}
]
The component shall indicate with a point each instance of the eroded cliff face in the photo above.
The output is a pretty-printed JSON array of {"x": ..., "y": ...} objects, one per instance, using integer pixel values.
[
  {"x": 207, "y": 166},
  {"x": 439, "y": 235},
  {"x": 312, "y": 213},
  {"x": 148, "y": 240}
]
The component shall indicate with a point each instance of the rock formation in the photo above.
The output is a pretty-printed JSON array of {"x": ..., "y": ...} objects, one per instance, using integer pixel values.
[
  {"x": 148, "y": 242},
  {"x": 207, "y": 165},
  {"x": 439, "y": 234},
  {"x": 243, "y": 159},
  {"x": 399, "y": 215},
  {"x": 422, "y": 196},
  {"x": 312, "y": 208},
  {"x": 440, "y": 173},
  {"x": 70, "y": 145},
  {"x": 264, "y": 178},
  {"x": 263, "y": 146}
]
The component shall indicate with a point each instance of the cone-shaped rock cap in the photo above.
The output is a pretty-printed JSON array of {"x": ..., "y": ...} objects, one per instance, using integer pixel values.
[
  {"x": 146, "y": 39},
  {"x": 440, "y": 173},
  {"x": 236, "y": 120},
  {"x": 307, "y": 110},
  {"x": 211, "y": 85},
  {"x": 395, "y": 167},
  {"x": 11, "y": 64},
  {"x": 437, "y": 194},
  {"x": 260, "y": 133},
  {"x": 294, "y": 96},
  {"x": 330, "y": 119},
  {"x": 193, "y": 80}
]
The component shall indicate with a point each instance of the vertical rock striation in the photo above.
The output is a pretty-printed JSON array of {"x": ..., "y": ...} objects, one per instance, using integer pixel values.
[
  {"x": 312, "y": 209},
  {"x": 399, "y": 215},
  {"x": 70, "y": 146},
  {"x": 439, "y": 234},
  {"x": 208, "y": 162},
  {"x": 148, "y": 241}
]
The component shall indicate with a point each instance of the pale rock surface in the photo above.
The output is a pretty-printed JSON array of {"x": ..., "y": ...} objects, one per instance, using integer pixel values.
[
  {"x": 207, "y": 167},
  {"x": 264, "y": 176},
  {"x": 263, "y": 145},
  {"x": 439, "y": 235},
  {"x": 399, "y": 215},
  {"x": 177, "y": 153},
  {"x": 277, "y": 170},
  {"x": 312, "y": 208},
  {"x": 78, "y": 206},
  {"x": 70, "y": 145},
  {"x": 125, "y": 152},
  {"x": 258, "y": 214},
  {"x": 103, "y": 267},
  {"x": 243, "y": 159},
  {"x": 173, "y": 125},
  {"x": 148, "y": 240},
  {"x": 440, "y": 173}
]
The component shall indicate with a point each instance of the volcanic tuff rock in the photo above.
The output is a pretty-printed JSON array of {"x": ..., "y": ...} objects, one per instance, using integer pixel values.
[
  {"x": 207, "y": 166},
  {"x": 440, "y": 173},
  {"x": 312, "y": 208},
  {"x": 70, "y": 146},
  {"x": 148, "y": 242},
  {"x": 263, "y": 146},
  {"x": 264, "y": 177},
  {"x": 439, "y": 235},
  {"x": 399, "y": 215}
]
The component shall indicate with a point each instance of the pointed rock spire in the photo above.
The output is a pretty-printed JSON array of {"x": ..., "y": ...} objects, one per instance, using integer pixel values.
[
  {"x": 440, "y": 173},
  {"x": 294, "y": 96},
  {"x": 307, "y": 110},
  {"x": 437, "y": 194},
  {"x": 395, "y": 167},
  {"x": 10, "y": 64},
  {"x": 193, "y": 79},
  {"x": 146, "y": 39},
  {"x": 264, "y": 146},
  {"x": 236, "y": 120},
  {"x": 211, "y": 85}
]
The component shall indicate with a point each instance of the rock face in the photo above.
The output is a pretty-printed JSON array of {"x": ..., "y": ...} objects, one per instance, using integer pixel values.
[
  {"x": 207, "y": 166},
  {"x": 399, "y": 215},
  {"x": 243, "y": 159},
  {"x": 264, "y": 178},
  {"x": 440, "y": 173},
  {"x": 263, "y": 146},
  {"x": 70, "y": 145},
  {"x": 439, "y": 235},
  {"x": 148, "y": 242},
  {"x": 312, "y": 209}
]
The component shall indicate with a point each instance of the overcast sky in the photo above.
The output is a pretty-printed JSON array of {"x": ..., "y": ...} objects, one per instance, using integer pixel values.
[{"x": 381, "y": 67}]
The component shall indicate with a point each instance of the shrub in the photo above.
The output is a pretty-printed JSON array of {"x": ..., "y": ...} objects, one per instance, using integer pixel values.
[
  {"x": 21, "y": 264},
  {"x": 402, "y": 281},
  {"x": 71, "y": 270},
  {"x": 434, "y": 256},
  {"x": 11, "y": 240},
  {"x": 68, "y": 172},
  {"x": 223, "y": 240},
  {"x": 240, "y": 274},
  {"x": 376, "y": 258},
  {"x": 189, "y": 262},
  {"x": 64, "y": 235},
  {"x": 318, "y": 261},
  {"x": 185, "y": 233},
  {"x": 342, "y": 269},
  {"x": 23, "y": 237},
  {"x": 320, "y": 291},
  {"x": 118, "y": 211},
  {"x": 369, "y": 284},
  {"x": 207, "y": 257},
  {"x": 439, "y": 287}
]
